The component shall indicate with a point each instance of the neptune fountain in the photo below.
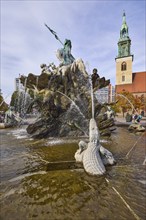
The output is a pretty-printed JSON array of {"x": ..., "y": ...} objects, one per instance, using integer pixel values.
[{"x": 64, "y": 98}]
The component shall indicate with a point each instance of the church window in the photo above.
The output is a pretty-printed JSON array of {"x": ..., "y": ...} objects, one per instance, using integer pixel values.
[
  {"x": 123, "y": 66},
  {"x": 123, "y": 78}
]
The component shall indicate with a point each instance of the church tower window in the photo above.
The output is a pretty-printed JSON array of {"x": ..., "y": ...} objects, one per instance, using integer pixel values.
[{"x": 123, "y": 66}]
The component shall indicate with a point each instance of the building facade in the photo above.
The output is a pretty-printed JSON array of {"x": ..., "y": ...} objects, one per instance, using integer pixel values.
[
  {"x": 126, "y": 79},
  {"x": 106, "y": 95},
  {"x": 17, "y": 84}
]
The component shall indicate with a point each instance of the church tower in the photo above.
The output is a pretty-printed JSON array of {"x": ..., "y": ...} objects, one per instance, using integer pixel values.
[{"x": 124, "y": 58}]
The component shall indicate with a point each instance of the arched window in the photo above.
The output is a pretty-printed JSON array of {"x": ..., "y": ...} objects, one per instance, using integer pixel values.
[{"x": 123, "y": 66}]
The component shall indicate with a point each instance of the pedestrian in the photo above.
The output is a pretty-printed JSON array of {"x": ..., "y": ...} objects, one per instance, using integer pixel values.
[
  {"x": 138, "y": 119},
  {"x": 128, "y": 117},
  {"x": 142, "y": 113}
]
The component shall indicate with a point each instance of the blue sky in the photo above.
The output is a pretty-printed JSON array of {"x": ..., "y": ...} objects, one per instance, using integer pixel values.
[{"x": 92, "y": 26}]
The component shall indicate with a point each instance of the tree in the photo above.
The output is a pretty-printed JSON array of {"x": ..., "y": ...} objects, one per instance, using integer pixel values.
[
  {"x": 125, "y": 101},
  {"x": 139, "y": 102}
]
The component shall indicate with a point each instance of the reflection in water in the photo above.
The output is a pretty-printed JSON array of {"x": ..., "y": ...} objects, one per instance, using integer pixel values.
[{"x": 29, "y": 191}]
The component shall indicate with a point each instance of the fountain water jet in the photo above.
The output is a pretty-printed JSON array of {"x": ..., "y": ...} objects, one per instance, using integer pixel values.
[
  {"x": 4, "y": 99},
  {"x": 91, "y": 89},
  {"x": 77, "y": 107},
  {"x": 127, "y": 100}
]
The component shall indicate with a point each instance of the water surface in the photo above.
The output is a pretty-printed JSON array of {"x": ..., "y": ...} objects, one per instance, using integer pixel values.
[{"x": 30, "y": 191}]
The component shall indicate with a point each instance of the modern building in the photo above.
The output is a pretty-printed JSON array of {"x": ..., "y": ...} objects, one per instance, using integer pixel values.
[
  {"x": 111, "y": 96},
  {"x": 126, "y": 79},
  {"x": 106, "y": 95},
  {"x": 17, "y": 84}
]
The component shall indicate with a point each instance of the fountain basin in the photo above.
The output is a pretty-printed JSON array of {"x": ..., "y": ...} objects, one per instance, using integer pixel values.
[{"x": 31, "y": 191}]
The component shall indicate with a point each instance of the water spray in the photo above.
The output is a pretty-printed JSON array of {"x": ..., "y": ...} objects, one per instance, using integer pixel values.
[
  {"x": 72, "y": 102},
  {"x": 4, "y": 99},
  {"x": 126, "y": 99},
  {"x": 91, "y": 86}
]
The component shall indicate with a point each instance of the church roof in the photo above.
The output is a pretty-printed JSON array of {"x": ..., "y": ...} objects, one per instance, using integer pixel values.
[{"x": 138, "y": 84}]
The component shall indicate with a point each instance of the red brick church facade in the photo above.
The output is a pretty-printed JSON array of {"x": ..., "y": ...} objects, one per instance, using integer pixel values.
[{"x": 138, "y": 85}]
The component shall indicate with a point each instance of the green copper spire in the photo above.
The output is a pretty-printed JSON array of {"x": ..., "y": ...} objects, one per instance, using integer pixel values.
[
  {"x": 124, "y": 17},
  {"x": 124, "y": 28},
  {"x": 124, "y": 41}
]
